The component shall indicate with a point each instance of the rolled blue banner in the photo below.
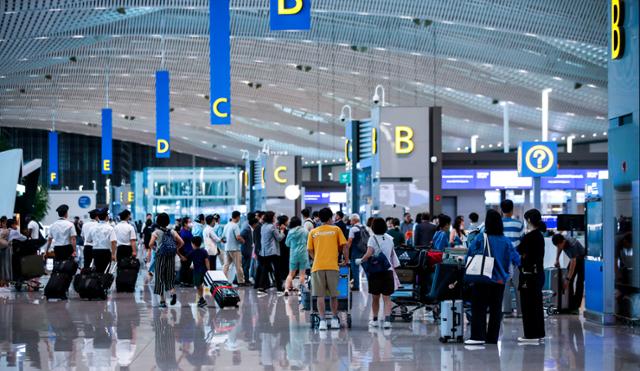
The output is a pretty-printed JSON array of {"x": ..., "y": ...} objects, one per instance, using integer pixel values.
[
  {"x": 53, "y": 158},
  {"x": 290, "y": 15},
  {"x": 220, "y": 62},
  {"x": 107, "y": 141},
  {"x": 163, "y": 131}
]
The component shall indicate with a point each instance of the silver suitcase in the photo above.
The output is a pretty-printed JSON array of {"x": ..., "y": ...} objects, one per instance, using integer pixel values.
[{"x": 451, "y": 321}]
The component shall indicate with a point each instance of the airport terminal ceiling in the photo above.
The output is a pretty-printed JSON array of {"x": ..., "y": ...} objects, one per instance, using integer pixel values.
[{"x": 288, "y": 87}]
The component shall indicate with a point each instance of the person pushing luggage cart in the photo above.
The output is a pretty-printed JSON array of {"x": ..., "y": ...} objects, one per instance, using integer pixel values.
[{"x": 324, "y": 244}]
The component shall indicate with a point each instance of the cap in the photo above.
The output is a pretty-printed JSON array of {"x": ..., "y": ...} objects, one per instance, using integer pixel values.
[
  {"x": 93, "y": 213},
  {"x": 103, "y": 211}
]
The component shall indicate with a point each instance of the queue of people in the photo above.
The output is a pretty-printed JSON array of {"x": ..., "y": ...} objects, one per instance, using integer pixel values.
[{"x": 266, "y": 251}]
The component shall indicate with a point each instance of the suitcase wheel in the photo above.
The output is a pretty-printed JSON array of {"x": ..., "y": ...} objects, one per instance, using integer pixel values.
[
  {"x": 459, "y": 339},
  {"x": 348, "y": 321},
  {"x": 443, "y": 339}
]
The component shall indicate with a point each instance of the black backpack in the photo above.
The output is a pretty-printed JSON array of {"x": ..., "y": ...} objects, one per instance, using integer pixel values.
[{"x": 361, "y": 244}]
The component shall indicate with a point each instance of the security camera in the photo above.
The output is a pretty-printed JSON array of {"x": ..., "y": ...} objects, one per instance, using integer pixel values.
[
  {"x": 343, "y": 118},
  {"x": 376, "y": 99}
]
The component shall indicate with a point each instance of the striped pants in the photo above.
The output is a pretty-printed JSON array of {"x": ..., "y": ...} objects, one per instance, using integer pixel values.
[{"x": 165, "y": 273}]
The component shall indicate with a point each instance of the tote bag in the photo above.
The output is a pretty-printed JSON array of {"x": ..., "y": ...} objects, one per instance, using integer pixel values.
[{"x": 480, "y": 267}]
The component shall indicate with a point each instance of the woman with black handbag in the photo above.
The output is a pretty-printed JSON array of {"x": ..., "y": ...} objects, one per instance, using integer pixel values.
[
  {"x": 379, "y": 262},
  {"x": 532, "y": 278}
]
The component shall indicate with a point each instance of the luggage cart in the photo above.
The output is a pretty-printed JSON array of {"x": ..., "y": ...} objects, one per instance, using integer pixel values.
[{"x": 344, "y": 299}]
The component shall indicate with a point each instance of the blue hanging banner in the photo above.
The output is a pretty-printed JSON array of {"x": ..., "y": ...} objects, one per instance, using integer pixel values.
[
  {"x": 53, "y": 158},
  {"x": 163, "y": 131},
  {"x": 290, "y": 15},
  {"x": 220, "y": 62},
  {"x": 107, "y": 137}
]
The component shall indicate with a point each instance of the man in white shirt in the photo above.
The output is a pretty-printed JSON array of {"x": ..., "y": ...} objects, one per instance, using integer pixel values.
[
  {"x": 87, "y": 252},
  {"x": 126, "y": 237},
  {"x": 307, "y": 222},
  {"x": 103, "y": 238},
  {"x": 211, "y": 240},
  {"x": 233, "y": 254},
  {"x": 62, "y": 235}
]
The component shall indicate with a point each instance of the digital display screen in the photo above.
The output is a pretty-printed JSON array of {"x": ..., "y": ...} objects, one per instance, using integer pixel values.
[
  {"x": 485, "y": 179},
  {"x": 319, "y": 198}
]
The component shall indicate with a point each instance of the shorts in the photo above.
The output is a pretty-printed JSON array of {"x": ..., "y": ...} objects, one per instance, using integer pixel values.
[
  {"x": 381, "y": 283},
  {"x": 198, "y": 278},
  {"x": 324, "y": 283},
  {"x": 297, "y": 263}
]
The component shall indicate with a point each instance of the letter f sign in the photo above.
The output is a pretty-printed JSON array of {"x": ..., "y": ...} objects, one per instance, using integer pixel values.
[{"x": 287, "y": 15}]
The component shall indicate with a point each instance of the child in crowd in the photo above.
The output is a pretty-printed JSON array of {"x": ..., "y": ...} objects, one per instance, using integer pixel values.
[{"x": 200, "y": 259}]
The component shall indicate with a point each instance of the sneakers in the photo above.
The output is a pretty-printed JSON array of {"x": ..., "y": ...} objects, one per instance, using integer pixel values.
[
  {"x": 335, "y": 323},
  {"x": 322, "y": 326},
  {"x": 373, "y": 323},
  {"x": 386, "y": 325},
  {"x": 202, "y": 303},
  {"x": 163, "y": 304},
  {"x": 473, "y": 342}
]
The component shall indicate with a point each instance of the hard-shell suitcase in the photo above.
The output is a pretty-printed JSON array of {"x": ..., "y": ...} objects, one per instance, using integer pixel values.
[
  {"x": 223, "y": 293},
  {"x": 554, "y": 281},
  {"x": 127, "y": 274},
  {"x": 90, "y": 284},
  {"x": 451, "y": 321},
  {"x": 57, "y": 286}
]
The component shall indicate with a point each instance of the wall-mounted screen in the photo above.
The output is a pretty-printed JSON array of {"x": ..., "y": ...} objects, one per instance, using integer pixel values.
[{"x": 485, "y": 179}]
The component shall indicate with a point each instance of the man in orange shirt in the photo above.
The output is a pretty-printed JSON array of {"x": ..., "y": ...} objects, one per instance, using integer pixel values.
[{"x": 324, "y": 244}]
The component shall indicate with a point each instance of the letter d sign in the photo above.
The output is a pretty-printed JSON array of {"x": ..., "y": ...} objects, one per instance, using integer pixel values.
[{"x": 290, "y": 15}]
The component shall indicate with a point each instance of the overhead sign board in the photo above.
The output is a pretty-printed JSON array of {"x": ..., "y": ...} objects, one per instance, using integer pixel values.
[
  {"x": 290, "y": 15},
  {"x": 538, "y": 159},
  {"x": 163, "y": 131},
  {"x": 107, "y": 141},
  {"x": 53, "y": 158},
  {"x": 220, "y": 62}
]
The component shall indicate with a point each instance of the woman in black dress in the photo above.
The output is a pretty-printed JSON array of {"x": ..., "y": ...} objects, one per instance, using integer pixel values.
[{"x": 532, "y": 278}]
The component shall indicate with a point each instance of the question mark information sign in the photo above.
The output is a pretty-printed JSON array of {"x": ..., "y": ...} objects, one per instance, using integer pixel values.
[{"x": 538, "y": 159}]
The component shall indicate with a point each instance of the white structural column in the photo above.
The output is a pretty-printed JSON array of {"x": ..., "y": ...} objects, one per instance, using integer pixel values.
[
  {"x": 545, "y": 114},
  {"x": 505, "y": 127},
  {"x": 570, "y": 139},
  {"x": 474, "y": 143}
]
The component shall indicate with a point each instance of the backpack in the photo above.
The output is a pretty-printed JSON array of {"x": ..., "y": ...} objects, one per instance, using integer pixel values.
[
  {"x": 364, "y": 239},
  {"x": 167, "y": 244},
  {"x": 472, "y": 236}
]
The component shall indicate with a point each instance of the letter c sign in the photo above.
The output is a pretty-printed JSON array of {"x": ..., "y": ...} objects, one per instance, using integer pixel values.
[{"x": 276, "y": 174}]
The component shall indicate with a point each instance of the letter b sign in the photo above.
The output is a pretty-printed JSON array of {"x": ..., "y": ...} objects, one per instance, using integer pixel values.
[{"x": 290, "y": 15}]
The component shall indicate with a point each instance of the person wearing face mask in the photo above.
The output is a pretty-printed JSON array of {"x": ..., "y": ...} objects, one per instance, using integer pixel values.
[
  {"x": 531, "y": 249},
  {"x": 126, "y": 237},
  {"x": 186, "y": 277}
]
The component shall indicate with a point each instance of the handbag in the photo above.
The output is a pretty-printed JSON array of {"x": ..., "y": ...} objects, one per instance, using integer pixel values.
[
  {"x": 480, "y": 267},
  {"x": 377, "y": 263}
]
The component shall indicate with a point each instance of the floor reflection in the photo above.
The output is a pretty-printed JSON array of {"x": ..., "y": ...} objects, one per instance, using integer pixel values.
[{"x": 129, "y": 331}]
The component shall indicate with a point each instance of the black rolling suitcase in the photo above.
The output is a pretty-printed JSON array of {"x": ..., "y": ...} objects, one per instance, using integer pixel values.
[
  {"x": 91, "y": 285},
  {"x": 127, "y": 274},
  {"x": 448, "y": 283},
  {"x": 223, "y": 293},
  {"x": 57, "y": 286},
  {"x": 60, "y": 279}
]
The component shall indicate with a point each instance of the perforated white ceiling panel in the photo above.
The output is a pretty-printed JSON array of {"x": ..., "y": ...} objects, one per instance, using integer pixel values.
[{"x": 56, "y": 57}]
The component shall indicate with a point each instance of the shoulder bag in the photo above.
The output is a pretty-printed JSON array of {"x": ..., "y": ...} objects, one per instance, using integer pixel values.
[
  {"x": 378, "y": 262},
  {"x": 480, "y": 266}
]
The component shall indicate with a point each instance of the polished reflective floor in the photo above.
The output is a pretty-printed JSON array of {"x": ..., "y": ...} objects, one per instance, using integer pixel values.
[{"x": 129, "y": 331}]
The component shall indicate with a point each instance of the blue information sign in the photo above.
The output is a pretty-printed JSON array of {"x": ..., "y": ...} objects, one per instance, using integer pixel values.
[
  {"x": 220, "y": 62},
  {"x": 163, "y": 131},
  {"x": 290, "y": 15},
  {"x": 537, "y": 159},
  {"x": 53, "y": 158},
  {"x": 107, "y": 136}
]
